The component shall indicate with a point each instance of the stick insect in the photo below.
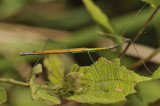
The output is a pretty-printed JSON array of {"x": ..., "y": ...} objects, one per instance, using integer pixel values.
[
  {"x": 83, "y": 50},
  {"x": 73, "y": 50}
]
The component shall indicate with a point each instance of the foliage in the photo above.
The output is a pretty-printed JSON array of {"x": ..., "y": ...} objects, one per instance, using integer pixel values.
[
  {"x": 103, "y": 82},
  {"x": 148, "y": 92},
  {"x": 85, "y": 85},
  {"x": 3, "y": 97},
  {"x": 37, "y": 91},
  {"x": 55, "y": 68},
  {"x": 99, "y": 17},
  {"x": 156, "y": 74},
  {"x": 111, "y": 85}
]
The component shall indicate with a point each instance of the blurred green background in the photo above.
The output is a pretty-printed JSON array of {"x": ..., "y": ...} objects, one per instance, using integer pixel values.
[{"x": 25, "y": 25}]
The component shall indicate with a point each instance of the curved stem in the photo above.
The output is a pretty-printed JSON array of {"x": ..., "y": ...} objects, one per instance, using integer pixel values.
[{"x": 13, "y": 81}]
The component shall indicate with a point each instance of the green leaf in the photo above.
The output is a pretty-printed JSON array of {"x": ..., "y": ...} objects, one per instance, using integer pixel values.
[
  {"x": 99, "y": 17},
  {"x": 39, "y": 93},
  {"x": 36, "y": 70},
  {"x": 46, "y": 96},
  {"x": 148, "y": 91},
  {"x": 156, "y": 74},
  {"x": 154, "y": 3},
  {"x": 110, "y": 84},
  {"x": 36, "y": 90},
  {"x": 55, "y": 68},
  {"x": 3, "y": 97}
]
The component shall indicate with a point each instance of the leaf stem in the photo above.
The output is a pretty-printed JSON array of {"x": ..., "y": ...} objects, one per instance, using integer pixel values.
[
  {"x": 138, "y": 63},
  {"x": 140, "y": 31},
  {"x": 13, "y": 81}
]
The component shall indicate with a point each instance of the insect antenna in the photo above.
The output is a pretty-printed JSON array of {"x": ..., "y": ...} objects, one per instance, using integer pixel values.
[{"x": 132, "y": 20}]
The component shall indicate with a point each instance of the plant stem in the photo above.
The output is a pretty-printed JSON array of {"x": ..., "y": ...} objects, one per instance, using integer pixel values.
[
  {"x": 138, "y": 63},
  {"x": 140, "y": 31},
  {"x": 13, "y": 81}
]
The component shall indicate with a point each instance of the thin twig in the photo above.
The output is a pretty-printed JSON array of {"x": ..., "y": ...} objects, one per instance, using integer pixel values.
[
  {"x": 13, "y": 81},
  {"x": 140, "y": 31},
  {"x": 139, "y": 63}
]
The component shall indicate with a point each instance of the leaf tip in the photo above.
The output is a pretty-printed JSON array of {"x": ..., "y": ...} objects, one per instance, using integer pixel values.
[{"x": 156, "y": 74}]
